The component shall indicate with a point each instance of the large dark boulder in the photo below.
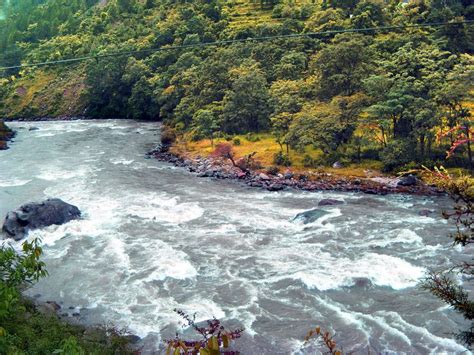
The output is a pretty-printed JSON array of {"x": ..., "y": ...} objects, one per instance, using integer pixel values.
[
  {"x": 310, "y": 216},
  {"x": 408, "y": 180},
  {"x": 38, "y": 215}
]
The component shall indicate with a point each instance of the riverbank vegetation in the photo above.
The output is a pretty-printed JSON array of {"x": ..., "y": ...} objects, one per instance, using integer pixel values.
[
  {"x": 399, "y": 97},
  {"x": 5, "y": 135},
  {"x": 29, "y": 328}
]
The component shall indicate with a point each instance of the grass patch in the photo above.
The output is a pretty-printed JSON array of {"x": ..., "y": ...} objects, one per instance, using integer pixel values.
[{"x": 266, "y": 148}]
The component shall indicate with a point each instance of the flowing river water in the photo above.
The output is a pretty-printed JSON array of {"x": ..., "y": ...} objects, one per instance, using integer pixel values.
[{"x": 154, "y": 237}]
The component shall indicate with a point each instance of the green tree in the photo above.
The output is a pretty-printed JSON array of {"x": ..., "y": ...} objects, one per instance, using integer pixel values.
[
  {"x": 323, "y": 125},
  {"x": 281, "y": 123},
  {"x": 206, "y": 123},
  {"x": 246, "y": 105},
  {"x": 342, "y": 65}
]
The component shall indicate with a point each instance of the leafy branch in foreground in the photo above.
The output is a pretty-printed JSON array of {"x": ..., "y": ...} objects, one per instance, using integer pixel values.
[
  {"x": 325, "y": 338},
  {"x": 17, "y": 269},
  {"x": 215, "y": 339},
  {"x": 441, "y": 284}
]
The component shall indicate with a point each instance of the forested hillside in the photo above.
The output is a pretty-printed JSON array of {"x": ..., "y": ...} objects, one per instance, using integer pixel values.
[{"x": 399, "y": 95}]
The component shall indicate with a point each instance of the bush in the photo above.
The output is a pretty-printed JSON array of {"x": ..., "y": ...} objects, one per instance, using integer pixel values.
[
  {"x": 371, "y": 153},
  {"x": 252, "y": 137},
  {"x": 24, "y": 330},
  {"x": 236, "y": 141},
  {"x": 168, "y": 136},
  {"x": 273, "y": 170},
  {"x": 179, "y": 127},
  {"x": 309, "y": 162},
  {"x": 396, "y": 154},
  {"x": 281, "y": 159}
]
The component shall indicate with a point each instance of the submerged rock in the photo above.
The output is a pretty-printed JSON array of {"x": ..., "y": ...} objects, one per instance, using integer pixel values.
[
  {"x": 37, "y": 215},
  {"x": 425, "y": 212},
  {"x": 310, "y": 216},
  {"x": 330, "y": 202},
  {"x": 275, "y": 187}
]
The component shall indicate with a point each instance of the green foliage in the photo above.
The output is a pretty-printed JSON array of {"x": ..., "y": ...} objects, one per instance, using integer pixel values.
[
  {"x": 342, "y": 65},
  {"x": 397, "y": 153},
  {"x": 236, "y": 141},
  {"x": 206, "y": 123},
  {"x": 415, "y": 81},
  {"x": 281, "y": 159},
  {"x": 17, "y": 269},
  {"x": 24, "y": 330}
]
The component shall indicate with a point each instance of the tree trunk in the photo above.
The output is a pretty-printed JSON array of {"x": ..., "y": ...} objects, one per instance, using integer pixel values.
[
  {"x": 422, "y": 147},
  {"x": 469, "y": 151}
]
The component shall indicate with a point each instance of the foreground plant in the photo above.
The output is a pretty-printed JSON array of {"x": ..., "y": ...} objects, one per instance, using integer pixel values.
[
  {"x": 442, "y": 283},
  {"x": 214, "y": 338},
  {"x": 324, "y": 338},
  {"x": 26, "y": 330}
]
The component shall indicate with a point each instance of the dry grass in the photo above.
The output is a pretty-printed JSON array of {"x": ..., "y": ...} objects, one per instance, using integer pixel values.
[{"x": 266, "y": 148}]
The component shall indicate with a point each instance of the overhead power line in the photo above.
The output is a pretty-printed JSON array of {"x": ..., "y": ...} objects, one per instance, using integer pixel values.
[{"x": 232, "y": 41}]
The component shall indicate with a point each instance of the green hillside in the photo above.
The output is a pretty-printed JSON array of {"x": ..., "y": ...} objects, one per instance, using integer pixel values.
[{"x": 389, "y": 95}]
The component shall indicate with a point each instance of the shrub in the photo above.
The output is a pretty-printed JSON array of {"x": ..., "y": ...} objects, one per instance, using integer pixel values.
[
  {"x": 214, "y": 338},
  {"x": 179, "y": 127},
  {"x": 281, "y": 159},
  {"x": 308, "y": 161},
  {"x": 24, "y": 330},
  {"x": 168, "y": 136},
  {"x": 397, "y": 153},
  {"x": 273, "y": 170},
  {"x": 252, "y": 137},
  {"x": 236, "y": 141}
]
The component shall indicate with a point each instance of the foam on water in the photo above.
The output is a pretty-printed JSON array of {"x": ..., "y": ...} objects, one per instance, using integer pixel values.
[
  {"x": 340, "y": 272},
  {"x": 160, "y": 207},
  {"x": 122, "y": 161},
  {"x": 13, "y": 182}
]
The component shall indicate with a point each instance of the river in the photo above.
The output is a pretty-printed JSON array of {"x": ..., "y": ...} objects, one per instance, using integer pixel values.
[{"x": 154, "y": 237}]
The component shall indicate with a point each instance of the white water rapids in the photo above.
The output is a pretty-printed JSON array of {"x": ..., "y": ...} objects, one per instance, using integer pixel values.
[{"x": 154, "y": 237}]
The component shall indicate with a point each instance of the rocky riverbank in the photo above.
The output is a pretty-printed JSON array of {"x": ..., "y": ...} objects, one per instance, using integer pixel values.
[{"x": 310, "y": 181}]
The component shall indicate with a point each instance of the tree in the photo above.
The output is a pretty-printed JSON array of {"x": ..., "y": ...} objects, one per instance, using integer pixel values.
[
  {"x": 281, "y": 123},
  {"x": 368, "y": 14},
  {"x": 404, "y": 96},
  {"x": 452, "y": 95},
  {"x": 326, "y": 20},
  {"x": 288, "y": 96},
  {"x": 246, "y": 105},
  {"x": 324, "y": 126},
  {"x": 342, "y": 65},
  {"x": 206, "y": 123},
  {"x": 291, "y": 66}
]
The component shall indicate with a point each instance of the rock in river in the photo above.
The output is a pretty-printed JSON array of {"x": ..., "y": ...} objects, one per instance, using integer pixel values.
[
  {"x": 408, "y": 180},
  {"x": 330, "y": 202},
  {"x": 38, "y": 215},
  {"x": 310, "y": 216}
]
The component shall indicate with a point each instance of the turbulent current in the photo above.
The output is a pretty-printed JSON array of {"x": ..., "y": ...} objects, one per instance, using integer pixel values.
[{"x": 154, "y": 237}]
